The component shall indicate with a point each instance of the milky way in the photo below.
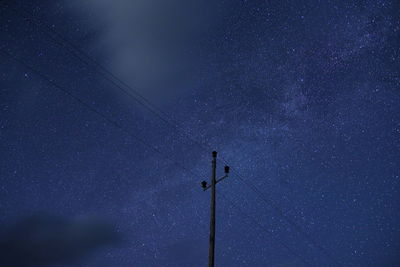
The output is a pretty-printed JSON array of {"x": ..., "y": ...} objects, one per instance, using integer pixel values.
[{"x": 301, "y": 98}]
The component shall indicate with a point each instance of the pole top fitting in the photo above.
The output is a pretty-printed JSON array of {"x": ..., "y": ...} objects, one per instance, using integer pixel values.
[
  {"x": 214, "y": 154},
  {"x": 226, "y": 169}
]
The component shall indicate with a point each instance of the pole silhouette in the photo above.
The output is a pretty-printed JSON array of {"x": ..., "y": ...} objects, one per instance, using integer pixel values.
[
  {"x": 211, "y": 252},
  {"x": 214, "y": 181}
]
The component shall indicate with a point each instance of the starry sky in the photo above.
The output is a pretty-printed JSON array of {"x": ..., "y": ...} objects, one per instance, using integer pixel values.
[{"x": 110, "y": 110}]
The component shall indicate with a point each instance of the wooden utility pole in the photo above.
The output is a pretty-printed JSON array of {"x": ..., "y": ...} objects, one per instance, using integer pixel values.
[
  {"x": 214, "y": 181},
  {"x": 211, "y": 250}
]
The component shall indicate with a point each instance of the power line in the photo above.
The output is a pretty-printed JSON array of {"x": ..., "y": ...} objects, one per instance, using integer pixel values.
[
  {"x": 115, "y": 124},
  {"x": 284, "y": 216},
  {"x": 161, "y": 115},
  {"x": 237, "y": 208},
  {"x": 123, "y": 86},
  {"x": 80, "y": 101}
]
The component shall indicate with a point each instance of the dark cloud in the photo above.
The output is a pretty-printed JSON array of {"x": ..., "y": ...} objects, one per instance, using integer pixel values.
[{"x": 44, "y": 240}]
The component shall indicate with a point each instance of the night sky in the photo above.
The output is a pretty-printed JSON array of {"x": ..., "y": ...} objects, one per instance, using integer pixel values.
[{"x": 110, "y": 111}]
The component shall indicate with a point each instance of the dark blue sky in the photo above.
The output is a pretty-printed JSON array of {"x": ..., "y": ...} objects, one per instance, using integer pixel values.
[{"x": 301, "y": 98}]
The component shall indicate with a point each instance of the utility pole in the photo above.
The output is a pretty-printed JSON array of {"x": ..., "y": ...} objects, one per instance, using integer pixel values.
[{"x": 214, "y": 181}]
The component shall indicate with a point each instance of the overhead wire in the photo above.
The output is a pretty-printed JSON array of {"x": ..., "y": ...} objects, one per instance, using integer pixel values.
[
  {"x": 285, "y": 217},
  {"x": 112, "y": 122},
  {"x": 251, "y": 218},
  {"x": 78, "y": 53},
  {"x": 88, "y": 106},
  {"x": 165, "y": 118}
]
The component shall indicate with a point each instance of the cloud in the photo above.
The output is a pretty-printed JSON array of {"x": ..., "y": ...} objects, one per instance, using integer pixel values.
[
  {"x": 148, "y": 43},
  {"x": 42, "y": 240}
]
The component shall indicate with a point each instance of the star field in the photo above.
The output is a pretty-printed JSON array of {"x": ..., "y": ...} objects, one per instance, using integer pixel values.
[{"x": 301, "y": 98}]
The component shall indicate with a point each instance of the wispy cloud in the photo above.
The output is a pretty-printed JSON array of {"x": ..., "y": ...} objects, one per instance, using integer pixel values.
[{"x": 148, "y": 43}]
